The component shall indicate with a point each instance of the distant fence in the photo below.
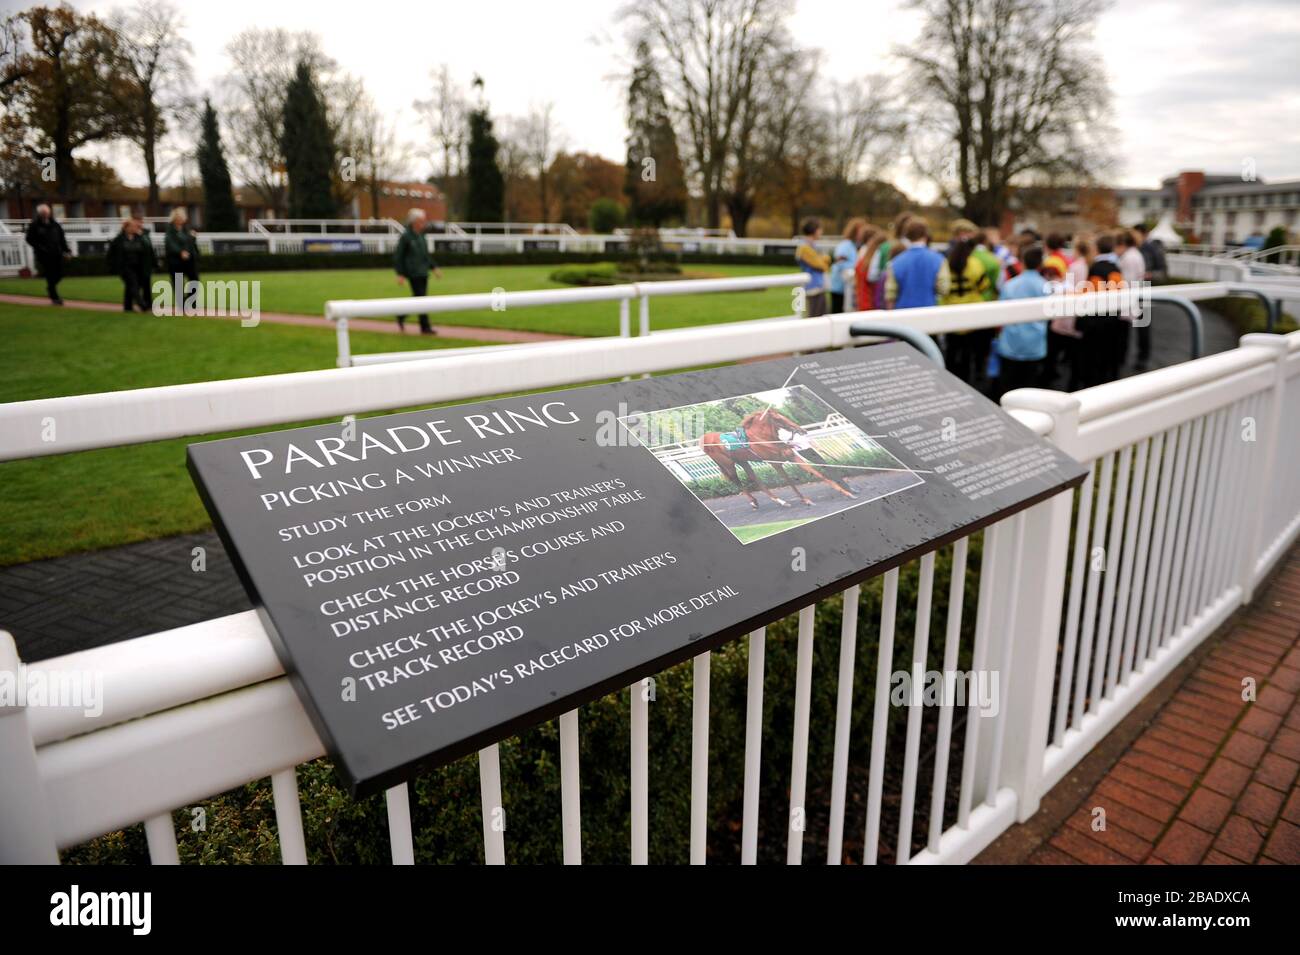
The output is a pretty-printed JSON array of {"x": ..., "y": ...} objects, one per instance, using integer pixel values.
[{"x": 90, "y": 237}]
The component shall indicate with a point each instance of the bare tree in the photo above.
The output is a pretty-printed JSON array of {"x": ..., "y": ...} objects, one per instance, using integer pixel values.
[
  {"x": 512, "y": 159},
  {"x": 263, "y": 64},
  {"x": 711, "y": 55},
  {"x": 13, "y": 46},
  {"x": 155, "y": 61},
  {"x": 792, "y": 145},
  {"x": 446, "y": 115},
  {"x": 1005, "y": 89},
  {"x": 381, "y": 154},
  {"x": 540, "y": 140},
  {"x": 863, "y": 127}
]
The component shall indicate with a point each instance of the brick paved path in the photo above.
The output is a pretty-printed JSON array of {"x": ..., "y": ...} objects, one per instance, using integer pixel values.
[
  {"x": 1212, "y": 779},
  {"x": 53, "y": 607}
]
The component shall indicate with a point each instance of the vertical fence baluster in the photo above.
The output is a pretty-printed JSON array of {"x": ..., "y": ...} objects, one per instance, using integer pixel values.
[
  {"x": 880, "y": 715},
  {"x": 798, "y": 818},
  {"x": 1148, "y": 634},
  {"x": 753, "y": 747},
  {"x": 1137, "y": 592},
  {"x": 1196, "y": 520},
  {"x": 1211, "y": 531},
  {"x": 1004, "y": 667},
  {"x": 700, "y": 759},
  {"x": 979, "y": 663},
  {"x": 1169, "y": 553},
  {"x": 843, "y": 722},
  {"x": 1235, "y": 449},
  {"x": 915, "y": 710},
  {"x": 1078, "y": 571},
  {"x": 1112, "y": 548},
  {"x": 489, "y": 784},
  {"x": 288, "y": 817},
  {"x": 640, "y": 780},
  {"x": 1238, "y": 505},
  {"x": 1178, "y": 582},
  {"x": 951, "y": 646},
  {"x": 570, "y": 789},
  {"x": 1126, "y": 566},
  {"x": 160, "y": 836},
  {"x": 401, "y": 845},
  {"x": 1101, "y": 509}
]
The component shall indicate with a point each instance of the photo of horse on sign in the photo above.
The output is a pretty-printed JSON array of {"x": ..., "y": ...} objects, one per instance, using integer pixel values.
[{"x": 771, "y": 461}]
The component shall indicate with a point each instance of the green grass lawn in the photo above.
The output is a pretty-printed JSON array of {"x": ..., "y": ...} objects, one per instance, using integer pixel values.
[
  {"x": 72, "y": 502},
  {"x": 306, "y": 293},
  {"x": 88, "y": 500}
]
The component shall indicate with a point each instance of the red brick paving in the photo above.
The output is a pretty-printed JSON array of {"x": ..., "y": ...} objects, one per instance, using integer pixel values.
[{"x": 1213, "y": 779}]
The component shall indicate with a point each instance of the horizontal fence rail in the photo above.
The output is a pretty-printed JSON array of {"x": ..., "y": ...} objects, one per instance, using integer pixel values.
[
  {"x": 341, "y": 311},
  {"x": 82, "y": 422},
  {"x": 1188, "y": 518}
]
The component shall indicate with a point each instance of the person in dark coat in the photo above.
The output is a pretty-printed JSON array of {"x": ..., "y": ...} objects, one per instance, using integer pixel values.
[
  {"x": 50, "y": 246},
  {"x": 181, "y": 250},
  {"x": 148, "y": 262},
  {"x": 131, "y": 258},
  {"x": 412, "y": 262}
]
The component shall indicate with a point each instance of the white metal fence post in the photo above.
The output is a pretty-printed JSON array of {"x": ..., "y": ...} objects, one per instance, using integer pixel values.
[
  {"x": 1034, "y": 627},
  {"x": 26, "y": 830},
  {"x": 1265, "y": 458}
]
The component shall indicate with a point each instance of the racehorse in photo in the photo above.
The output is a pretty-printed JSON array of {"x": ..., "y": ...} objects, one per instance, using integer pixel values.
[{"x": 758, "y": 440}]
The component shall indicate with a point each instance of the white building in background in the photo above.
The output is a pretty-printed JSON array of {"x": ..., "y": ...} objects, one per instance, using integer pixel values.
[{"x": 1218, "y": 210}]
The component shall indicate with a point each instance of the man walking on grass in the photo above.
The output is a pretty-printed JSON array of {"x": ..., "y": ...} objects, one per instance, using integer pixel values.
[
  {"x": 50, "y": 247},
  {"x": 412, "y": 262},
  {"x": 131, "y": 258}
]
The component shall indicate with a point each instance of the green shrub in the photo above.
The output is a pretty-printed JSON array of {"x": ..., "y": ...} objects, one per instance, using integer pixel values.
[{"x": 605, "y": 215}]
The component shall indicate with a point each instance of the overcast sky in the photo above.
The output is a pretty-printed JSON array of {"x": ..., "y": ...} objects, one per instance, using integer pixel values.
[{"x": 1197, "y": 84}]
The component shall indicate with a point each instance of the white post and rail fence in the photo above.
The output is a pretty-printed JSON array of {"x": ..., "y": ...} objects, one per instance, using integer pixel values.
[{"x": 1191, "y": 496}]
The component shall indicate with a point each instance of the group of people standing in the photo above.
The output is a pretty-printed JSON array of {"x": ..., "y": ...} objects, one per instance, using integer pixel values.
[
  {"x": 131, "y": 255},
  {"x": 895, "y": 268}
]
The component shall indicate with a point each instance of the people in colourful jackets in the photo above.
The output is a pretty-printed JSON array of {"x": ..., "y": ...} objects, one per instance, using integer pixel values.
[
  {"x": 815, "y": 264},
  {"x": 843, "y": 261},
  {"x": 967, "y": 351},
  {"x": 1022, "y": 347},
  {"x": 917, "y": 277}
]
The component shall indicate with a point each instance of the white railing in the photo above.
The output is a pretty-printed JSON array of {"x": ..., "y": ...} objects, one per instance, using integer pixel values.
[
  {"x": 97, "y": 226},
  {"x": 341, "y": 311},
  {"x": 932, "y": 321},
  {"x": 511, "y": 228},
  {"x": 325, "y": 226},
  {"x": 14, "y": 254},
  {"x": 378, "y": 236},
  {"x": 1190, "y": 513}
]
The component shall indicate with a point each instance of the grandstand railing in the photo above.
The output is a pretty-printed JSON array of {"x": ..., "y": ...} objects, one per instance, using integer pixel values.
[{"x": 1190, "y": 495}]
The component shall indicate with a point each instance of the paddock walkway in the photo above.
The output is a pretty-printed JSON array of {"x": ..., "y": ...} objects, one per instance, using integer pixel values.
[
  {"x": 463, "y": 332},
  {"x": 1196, "y": 775}
]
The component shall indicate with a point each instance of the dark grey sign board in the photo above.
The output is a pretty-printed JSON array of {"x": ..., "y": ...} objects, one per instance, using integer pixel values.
[{"x": 437, "y": 580}]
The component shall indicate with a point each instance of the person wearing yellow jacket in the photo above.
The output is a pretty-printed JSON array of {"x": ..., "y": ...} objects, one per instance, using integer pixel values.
[{"x": 967, "y": 352}]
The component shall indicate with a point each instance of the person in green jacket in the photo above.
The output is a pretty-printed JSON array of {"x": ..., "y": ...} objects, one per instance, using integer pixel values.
[
  {"x": 412, "y": 262},
  {"x": 181, "y": 250}
]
